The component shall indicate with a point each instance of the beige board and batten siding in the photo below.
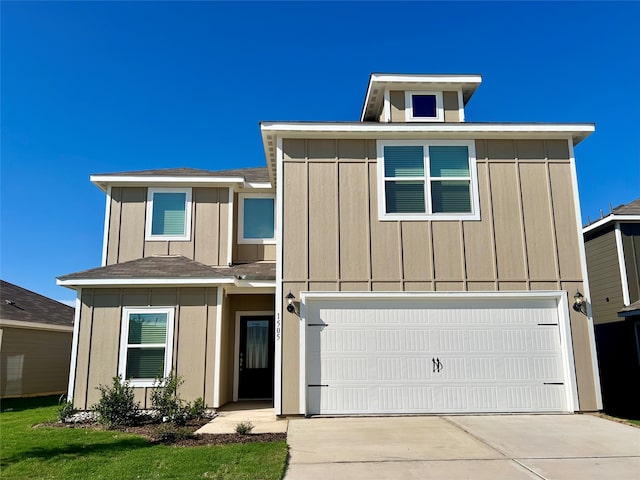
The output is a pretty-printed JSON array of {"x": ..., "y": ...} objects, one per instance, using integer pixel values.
[
  {"x": 398, "y": 107},
  {"x": 249, "y": 252},
  {"x": 100, "y": 329},
  {"x": 34, "y": 362},
  {"x": 209, "y": 227},
  {"x": 604, "y": 276},
  {"x": 527, "y": 238}
]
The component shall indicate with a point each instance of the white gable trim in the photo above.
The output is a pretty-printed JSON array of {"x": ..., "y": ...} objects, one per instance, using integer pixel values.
[{"x": 623, "y": 267}]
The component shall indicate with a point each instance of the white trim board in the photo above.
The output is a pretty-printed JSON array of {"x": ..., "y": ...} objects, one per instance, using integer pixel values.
[
  {"x": 74, "y": 347},
  {"x": 622, "y": 266},
  {"x": 610, "y": 219},
  {"x": 107, "y": 282},
  {"x": 35, "y": 326}
]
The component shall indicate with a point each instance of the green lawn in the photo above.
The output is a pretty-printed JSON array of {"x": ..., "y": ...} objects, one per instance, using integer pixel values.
[{"x": 77, "y": 453}]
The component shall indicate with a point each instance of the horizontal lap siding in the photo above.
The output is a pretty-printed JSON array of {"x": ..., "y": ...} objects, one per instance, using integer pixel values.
[
  {"x": 604, "y": 276},
  {"x": 209, "y": 227},
  {"x": 99, "y": 339},
  {"x": 527, "y": 238}
]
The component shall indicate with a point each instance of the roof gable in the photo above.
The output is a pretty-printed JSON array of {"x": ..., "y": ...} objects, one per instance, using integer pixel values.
[{"x": 20, "y": 304}]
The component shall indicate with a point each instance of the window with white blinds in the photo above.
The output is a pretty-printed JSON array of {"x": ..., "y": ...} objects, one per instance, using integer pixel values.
[
  {"x": 168, "y": 214},
  {"x": 145, "y": 347},
  {"x": 427, "y": 180}
]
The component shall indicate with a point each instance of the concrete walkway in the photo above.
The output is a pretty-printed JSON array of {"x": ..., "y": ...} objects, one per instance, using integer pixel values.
[
  {"x": 496, "y": 447},
  {"x": 260, "y": 414}
]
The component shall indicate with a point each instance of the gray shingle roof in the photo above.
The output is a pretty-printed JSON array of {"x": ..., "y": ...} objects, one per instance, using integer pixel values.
[
  {"x": 253, "y": 174},
  {"x": 630, "y": 310},
  {"x": 20, "y": 304},
  {"x": 172, "y": 266},
  {"x": 631, "y": 208}
]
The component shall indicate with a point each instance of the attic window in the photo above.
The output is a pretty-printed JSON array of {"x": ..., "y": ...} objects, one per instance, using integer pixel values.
[{"x": 424, "y": 107}]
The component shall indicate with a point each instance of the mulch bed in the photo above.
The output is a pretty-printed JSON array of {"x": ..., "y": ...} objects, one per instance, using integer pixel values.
[{"x": 187, "y": 438}]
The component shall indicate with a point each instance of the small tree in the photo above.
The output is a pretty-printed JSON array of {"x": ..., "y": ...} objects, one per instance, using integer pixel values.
[{"x": 117, "y": 405}]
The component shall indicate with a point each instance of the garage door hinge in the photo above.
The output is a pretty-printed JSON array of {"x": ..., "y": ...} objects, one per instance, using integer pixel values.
[
  {"x": 317, "y": 324},
  {"x": 547, "y": 324},
  {"x": 553, "y": 383},
  {"x": 317, "y": 385}
]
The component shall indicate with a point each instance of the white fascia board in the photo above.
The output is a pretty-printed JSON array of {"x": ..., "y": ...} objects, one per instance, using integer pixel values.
[
  {"x": 427, "y": 78},
  {"x": 270, "y": 284},
  {"x": 35, "y": 326},
  {"x": 259, "y": 185},
  {"x": 577, "y": 131},
  {"x": 143, "y": 282},
  {"x": 102, "y": 181},
  {"x": 611, "y": 219}
]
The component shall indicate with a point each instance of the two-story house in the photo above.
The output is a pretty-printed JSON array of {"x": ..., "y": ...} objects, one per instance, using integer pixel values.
[
  {"x": 411, "y": 262},
  {"x": 612, "y": 246}
]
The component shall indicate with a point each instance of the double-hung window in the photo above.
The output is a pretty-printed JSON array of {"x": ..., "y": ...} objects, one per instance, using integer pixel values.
[
  {"x": 168, "y": 214},
  {"x": 256, "y": 218},
  {"x": 146, "y": 342},
  {"x": 423, "y": 107},
  {"x": 427, "y": 180}
]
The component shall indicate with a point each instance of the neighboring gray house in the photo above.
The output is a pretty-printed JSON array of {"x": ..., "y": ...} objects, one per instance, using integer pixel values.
[
  {"x": 612, "y": 246},
  {"x": 35, "y": 343}
]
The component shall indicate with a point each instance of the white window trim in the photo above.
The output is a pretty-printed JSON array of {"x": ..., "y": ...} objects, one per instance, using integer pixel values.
[
  {"x": 473, "y": 183},
  {"x": 259, "y": 241},
  {"x": 408, "y": 107},
  {"x": 187, "y": 218},
  {"x": 124, "y": 343}
]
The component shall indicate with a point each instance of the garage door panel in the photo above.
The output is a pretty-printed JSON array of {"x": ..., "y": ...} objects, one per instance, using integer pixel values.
[{"x": 443, "y": 356}]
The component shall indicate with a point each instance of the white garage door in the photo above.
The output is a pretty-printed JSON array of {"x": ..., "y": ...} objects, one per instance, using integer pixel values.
[{"x": 434, "y": 356}]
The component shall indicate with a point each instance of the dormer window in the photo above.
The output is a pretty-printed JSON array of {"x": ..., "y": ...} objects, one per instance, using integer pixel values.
[
  {"x": 424, "y": 107},
  {"x": 168, "y": 214}
]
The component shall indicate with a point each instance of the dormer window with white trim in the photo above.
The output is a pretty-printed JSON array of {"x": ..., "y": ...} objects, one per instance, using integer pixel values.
[
  {"x": 256, "y": 218},
  {"x": 427, "y": 180},
  {"x": 168, "y": 214},
  {"x": 424, "y": 107}
]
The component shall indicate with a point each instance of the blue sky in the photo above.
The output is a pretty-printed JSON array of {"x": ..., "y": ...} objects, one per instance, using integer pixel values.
[{"x": 99, "y": 87}]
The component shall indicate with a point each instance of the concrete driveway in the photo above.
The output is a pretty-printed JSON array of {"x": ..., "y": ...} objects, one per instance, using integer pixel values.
[{"x": 496, "y": 447}]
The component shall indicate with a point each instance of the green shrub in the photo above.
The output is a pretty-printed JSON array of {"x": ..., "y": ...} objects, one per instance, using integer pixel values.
[
  {"x": 197, "y": 408},
  {"x": 166, "y": 401},
  {"x": 117, "y": 406},
  {"x": 244, "y": 428},
  {"x": 65, "y": 411}
]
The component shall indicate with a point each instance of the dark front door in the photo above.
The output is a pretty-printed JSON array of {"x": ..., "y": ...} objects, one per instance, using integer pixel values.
[{"x": 255, "y": 362}]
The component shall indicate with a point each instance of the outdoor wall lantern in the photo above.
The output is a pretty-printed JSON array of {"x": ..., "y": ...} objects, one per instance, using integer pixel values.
[
  {"x": 291, "y": 308},
  {"x": 578, "y": 302}
]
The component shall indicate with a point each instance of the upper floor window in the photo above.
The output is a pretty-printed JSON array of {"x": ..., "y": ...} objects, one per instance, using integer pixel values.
[
  {"x": 168, "y": 214},
  {"x": 427, "y": 180},
  {"x": 146, "y": 342},
  {"x": 424, "y": 107},
  {"x": 256, "y": 218}
]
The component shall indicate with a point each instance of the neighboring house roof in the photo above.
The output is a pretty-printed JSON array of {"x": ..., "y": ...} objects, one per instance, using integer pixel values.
[
  {"x": 630, "y": 310},
  {"x": 168, "y": 270},
  {"x": 187, "y": 175},
  {"x": 628, "y": 212},
  {"x": 22, "y": 307},
  {"x": 631, "y": 208}
]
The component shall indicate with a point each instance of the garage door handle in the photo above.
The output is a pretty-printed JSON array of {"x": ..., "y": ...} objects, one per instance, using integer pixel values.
[{"x": 437, "y": 365}]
